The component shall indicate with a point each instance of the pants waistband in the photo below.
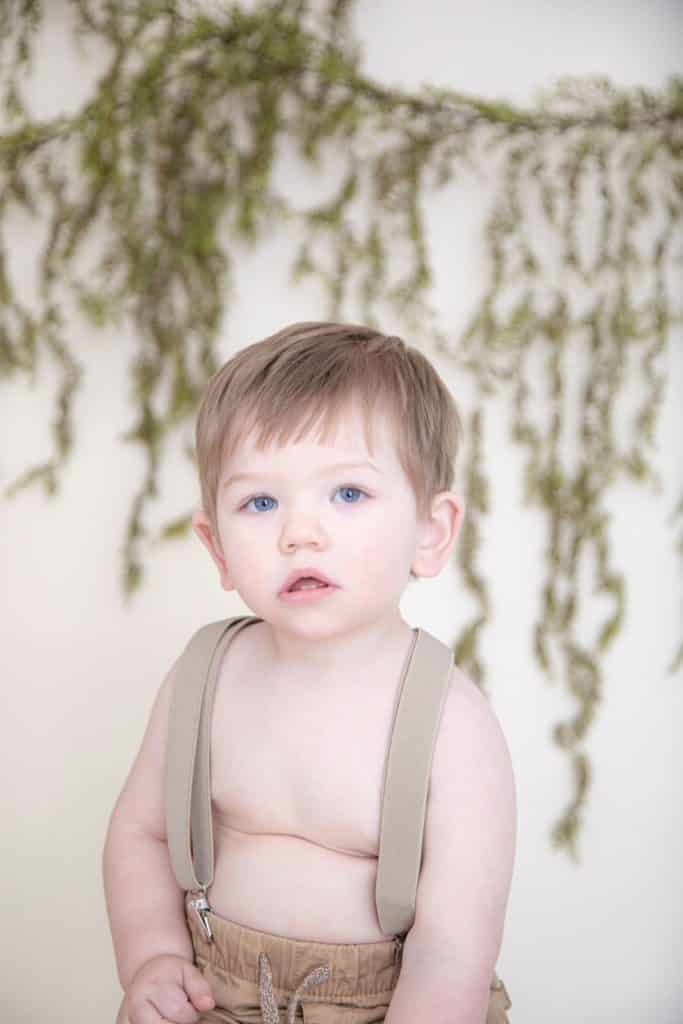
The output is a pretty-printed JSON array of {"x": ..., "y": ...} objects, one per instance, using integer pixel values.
[{"x": 356, "y": 969}]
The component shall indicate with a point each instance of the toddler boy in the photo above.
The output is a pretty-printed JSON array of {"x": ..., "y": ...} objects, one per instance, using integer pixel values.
[{"x": 326, "y": 457}]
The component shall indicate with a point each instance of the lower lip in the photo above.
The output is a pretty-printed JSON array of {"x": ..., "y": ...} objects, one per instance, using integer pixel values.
[{"x": 307, "y": 596}]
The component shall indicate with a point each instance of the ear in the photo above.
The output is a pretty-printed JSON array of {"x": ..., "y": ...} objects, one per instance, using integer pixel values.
[
  {"x": 438, "y": 533},
  {"x": 201, "y": 525}
]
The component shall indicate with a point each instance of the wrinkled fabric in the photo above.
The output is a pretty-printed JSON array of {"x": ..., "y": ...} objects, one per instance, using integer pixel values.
[{"x": 260, "y": 978}]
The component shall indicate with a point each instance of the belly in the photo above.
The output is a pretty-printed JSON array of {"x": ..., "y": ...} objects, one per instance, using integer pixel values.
[
  {"x": 296, "y": 783},
  {"x": 289, "y": 885}
]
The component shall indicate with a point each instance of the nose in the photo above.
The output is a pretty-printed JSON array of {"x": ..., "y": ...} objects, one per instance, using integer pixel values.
[{"x": 301, "y": 530}]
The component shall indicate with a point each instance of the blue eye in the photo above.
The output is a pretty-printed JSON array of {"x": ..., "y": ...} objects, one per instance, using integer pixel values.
[
  {"x": 344, "y": 488},
  {"x": 259, "y": 497},
  {"x": 347, "y": 488}
]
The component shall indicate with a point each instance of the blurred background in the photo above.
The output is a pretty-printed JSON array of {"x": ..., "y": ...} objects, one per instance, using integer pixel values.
[{"x": 600, "y": 940}]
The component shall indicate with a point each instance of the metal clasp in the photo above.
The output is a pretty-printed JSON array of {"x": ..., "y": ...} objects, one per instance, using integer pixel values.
[{"x": 200, "y": 905}]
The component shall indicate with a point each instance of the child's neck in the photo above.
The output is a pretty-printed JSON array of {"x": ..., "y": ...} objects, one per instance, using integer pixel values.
[{"x": 336, "y": 655}]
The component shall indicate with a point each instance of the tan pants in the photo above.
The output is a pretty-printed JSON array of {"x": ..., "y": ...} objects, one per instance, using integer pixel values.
[{"x": 259, "y": 978}]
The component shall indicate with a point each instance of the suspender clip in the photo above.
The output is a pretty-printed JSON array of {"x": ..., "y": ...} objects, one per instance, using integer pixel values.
[{"x": 200, "y": 905}]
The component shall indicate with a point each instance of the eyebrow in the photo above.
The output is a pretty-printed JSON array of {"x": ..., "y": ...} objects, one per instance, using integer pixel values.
[{"x": 237, "y": 477}]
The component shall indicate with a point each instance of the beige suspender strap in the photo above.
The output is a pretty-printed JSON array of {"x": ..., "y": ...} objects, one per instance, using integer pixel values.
[
  {"x": 407, "y": 774},
  {"x": 421, "y": 695},
  {"x": 188, "y": 784}
]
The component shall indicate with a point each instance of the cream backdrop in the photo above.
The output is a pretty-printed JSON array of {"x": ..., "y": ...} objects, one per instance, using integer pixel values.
[{"x": 599, "y": 942}]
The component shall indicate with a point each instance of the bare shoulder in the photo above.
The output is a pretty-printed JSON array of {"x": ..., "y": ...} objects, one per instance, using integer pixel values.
[
  {"x": 471, "y": 742},
  {"x": 141, "y": 802},
  {"x": 469, "y": 835},
  {"x": 472, "y": 776}
]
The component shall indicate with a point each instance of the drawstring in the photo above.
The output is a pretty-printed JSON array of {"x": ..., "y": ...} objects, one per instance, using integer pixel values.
[{"x": 269, "y": 1010}]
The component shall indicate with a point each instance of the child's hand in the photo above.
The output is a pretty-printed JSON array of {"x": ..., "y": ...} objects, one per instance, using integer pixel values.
[{"x": 166, "y": 990}]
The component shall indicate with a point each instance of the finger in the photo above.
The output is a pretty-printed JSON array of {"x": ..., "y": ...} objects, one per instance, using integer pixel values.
[
  {"x": 143, "y": 1011},
  {"x": 171, "y": 1001},
  {"x": 198, "y": 988}
]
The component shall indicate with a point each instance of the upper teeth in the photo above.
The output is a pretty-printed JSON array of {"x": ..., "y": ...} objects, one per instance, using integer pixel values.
[{"x": 307, "y": 581}]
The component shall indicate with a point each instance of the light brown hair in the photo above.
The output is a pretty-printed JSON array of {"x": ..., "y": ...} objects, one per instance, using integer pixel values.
[{"x": 311, "y": 371}]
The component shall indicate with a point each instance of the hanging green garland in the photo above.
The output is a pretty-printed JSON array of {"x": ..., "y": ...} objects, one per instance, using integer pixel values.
[{"x": 174, "y": 155}]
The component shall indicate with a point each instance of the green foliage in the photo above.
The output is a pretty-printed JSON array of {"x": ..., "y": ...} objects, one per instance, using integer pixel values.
[{"x": 172, "y": 160}]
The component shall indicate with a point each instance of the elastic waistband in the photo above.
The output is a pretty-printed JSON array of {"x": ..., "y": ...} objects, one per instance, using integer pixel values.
[{"x": 356, "y": 969}]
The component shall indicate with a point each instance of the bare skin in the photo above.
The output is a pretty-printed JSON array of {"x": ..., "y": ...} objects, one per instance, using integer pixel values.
[
  {"x": 304, "y": 815},
  {"x": 296, "y": 769}
]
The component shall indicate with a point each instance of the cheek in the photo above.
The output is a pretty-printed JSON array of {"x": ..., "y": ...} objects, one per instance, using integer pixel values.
[
  {"x": 383, "y": 551},
  {"x": 241, "y": 545}
]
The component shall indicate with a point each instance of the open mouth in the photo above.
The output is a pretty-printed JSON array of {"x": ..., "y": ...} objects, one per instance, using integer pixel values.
[
  {"x": 306, "y": 583},
  {"x": 307, "y": 588}
]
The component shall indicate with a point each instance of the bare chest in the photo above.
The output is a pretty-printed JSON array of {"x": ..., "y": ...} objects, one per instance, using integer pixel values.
[{"x": 302, "y": 762}]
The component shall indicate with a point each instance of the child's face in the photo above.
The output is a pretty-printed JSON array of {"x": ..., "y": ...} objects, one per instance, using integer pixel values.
[{"x": 357, "y": 525}]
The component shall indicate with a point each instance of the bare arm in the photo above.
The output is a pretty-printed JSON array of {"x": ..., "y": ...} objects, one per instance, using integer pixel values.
[
  {"x": 451, "y": 950},
  {"x": 144, "y": 902}
]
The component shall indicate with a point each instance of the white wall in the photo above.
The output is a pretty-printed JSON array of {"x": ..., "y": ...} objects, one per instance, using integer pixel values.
[{"x": 598, "y": 942}]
